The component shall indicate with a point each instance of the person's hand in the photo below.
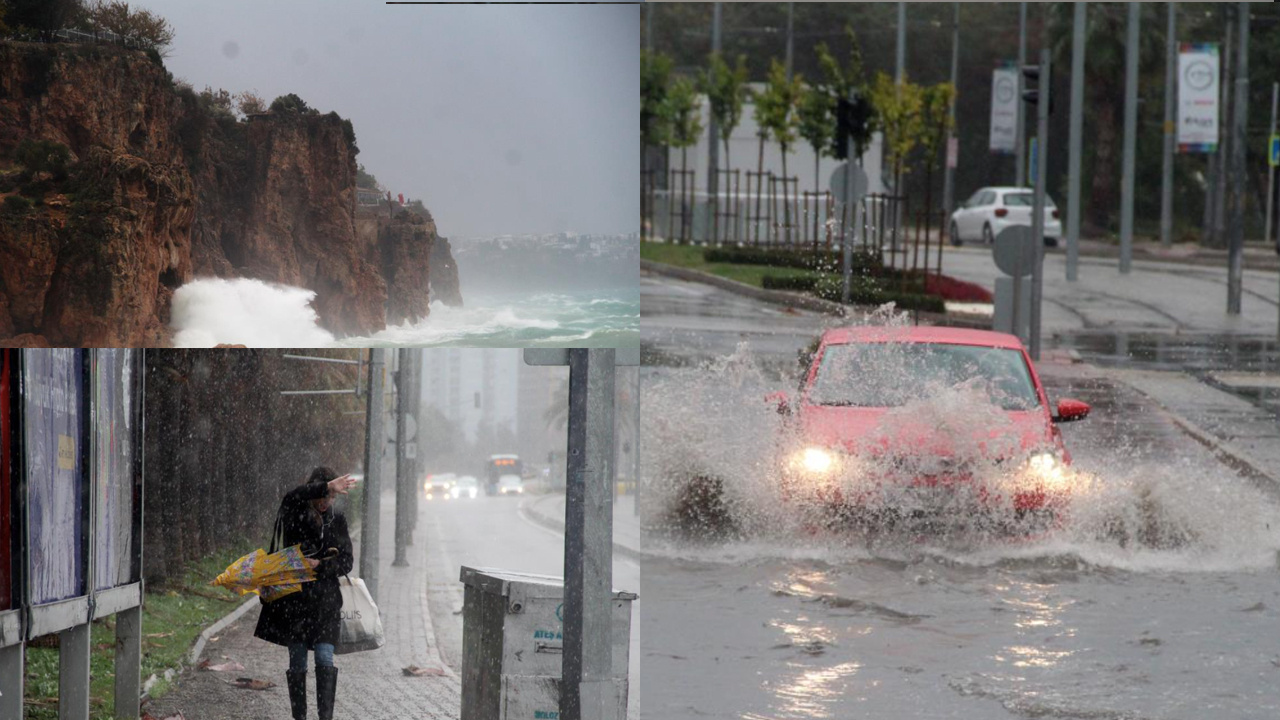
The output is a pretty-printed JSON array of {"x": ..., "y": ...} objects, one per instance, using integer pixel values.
[
  {"x": 341, "y": 485},
  {"x": 314, "y": 563}
]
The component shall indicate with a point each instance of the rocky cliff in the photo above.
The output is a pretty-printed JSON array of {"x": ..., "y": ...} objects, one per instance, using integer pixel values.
[
  {"x": 404, "y": 244},
  {"x": 158, "y": 188}
]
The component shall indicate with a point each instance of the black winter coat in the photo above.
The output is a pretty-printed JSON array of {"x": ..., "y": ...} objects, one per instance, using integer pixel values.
[{"x": 314, "y": 614}]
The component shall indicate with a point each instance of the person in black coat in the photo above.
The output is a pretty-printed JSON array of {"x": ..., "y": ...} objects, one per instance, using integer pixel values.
[{"x": 311, "y": 619}]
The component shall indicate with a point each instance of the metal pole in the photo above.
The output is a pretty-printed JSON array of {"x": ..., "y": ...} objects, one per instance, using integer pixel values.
[
  {"x": 635, "y": 446},
  {"x": 713, "y": 130},
  {"x": 648, "y": 28},
  {"x": 588, "y": 540},
  {"x": 1240, "y": 122},
  {"x": 1217, "y": 232},
  {"x": 1076, "y": 140},
  {"x": 791, "y": 36},
  {"x": 415, "y": 463},
  {"x": 373, "y": 443},
  {"x": 1130, "y": 139},
  {"x": 1170, "y": 88},
  {"x": 1020, "y": 143},
  {"x": 404, "y": 483},
  {"x": 948, "y": 182},
  {"x": 1271, "y": 171},
  {"x": 900, "y": 68},
  {"x": 1037, "y": 210}
]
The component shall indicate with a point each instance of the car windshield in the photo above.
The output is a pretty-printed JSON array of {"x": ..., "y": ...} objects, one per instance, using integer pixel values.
[
  {"x": 1025, "y": 200},
  {"x": 891, "y": 374}
]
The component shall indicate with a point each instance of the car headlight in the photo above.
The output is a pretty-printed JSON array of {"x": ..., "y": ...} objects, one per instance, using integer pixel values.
[
  {"x": 1048, "y": 469},
  {"x": 814, "y": 461}
]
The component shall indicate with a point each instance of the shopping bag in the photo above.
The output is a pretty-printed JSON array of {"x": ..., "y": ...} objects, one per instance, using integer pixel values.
[{"x": 361, "y": 624}]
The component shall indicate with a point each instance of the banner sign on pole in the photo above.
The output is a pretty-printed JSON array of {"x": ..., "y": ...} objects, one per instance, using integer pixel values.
[
  {"x": 953, "y": 152},
  {"x": 1004, "y": 110},
  {"x": 1198, "y": 97},
  {"x": 52, "y": 398},
  {"x": 1273, "y": 151},
  {"x": 113, "y": 440}
]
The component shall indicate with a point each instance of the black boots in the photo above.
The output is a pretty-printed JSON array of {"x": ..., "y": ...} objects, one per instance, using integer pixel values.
[
  {"x": 326, "y": 687},
  {"x": 297, "y": 693}
]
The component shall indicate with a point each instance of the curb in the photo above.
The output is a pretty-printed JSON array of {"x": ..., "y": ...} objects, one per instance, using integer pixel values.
[
  {"x": 234, "y": 615},
  {"x": 546, "y": 521},
  {"x": 1223, "y": 451},
  {"x": 794, "y": 299}
]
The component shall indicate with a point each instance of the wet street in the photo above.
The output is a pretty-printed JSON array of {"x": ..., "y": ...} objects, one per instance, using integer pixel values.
[{"x": 1159, "y": 598}]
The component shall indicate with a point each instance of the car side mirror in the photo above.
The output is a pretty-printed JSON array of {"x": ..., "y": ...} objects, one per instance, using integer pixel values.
[
  {"x": 1071, "y": 410},
  {"x": 780, "y": 401}
]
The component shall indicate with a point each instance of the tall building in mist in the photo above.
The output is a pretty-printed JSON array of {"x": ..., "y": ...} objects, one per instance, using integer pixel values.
[
  {"x": 536, "y": 393},
  {"x": 442, "y": 382}
]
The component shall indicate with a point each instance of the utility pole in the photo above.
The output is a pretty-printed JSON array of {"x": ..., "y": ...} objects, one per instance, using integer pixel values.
[
  {"x": 900, "y": 66},
  {"x": 1240, "y": 126},
  {"x": 713, "y": 144},
  {"x": 588, "y": 545},
  {"x": 373, "y": 444},
  {"x": 1130, "y": 139},
  {"x": 1217, "y": 232},
  {"x": 948, "y": 183},
  {"x": 405, "y": 483},
  {"x": 1170, "y": 88},
  {"x": 791, "y": 36},
  {"x": 1077, "y": 139},
  {"x": 1271, "y": 171},
  {"x": 1020, "y": 144}
]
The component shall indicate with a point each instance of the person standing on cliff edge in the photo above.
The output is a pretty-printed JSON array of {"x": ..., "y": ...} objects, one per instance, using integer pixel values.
[{"x": 311, "y": 619}]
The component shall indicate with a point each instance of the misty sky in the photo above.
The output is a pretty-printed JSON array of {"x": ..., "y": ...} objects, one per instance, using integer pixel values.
[{"x": 501, "y": 118}]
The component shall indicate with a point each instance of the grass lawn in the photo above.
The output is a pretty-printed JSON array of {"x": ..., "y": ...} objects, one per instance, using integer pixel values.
[
  {"x": 173, "y": 615},
  {"x": 690, "y": 256}
]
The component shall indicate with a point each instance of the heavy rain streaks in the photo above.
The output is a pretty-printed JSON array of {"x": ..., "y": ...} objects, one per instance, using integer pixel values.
[{"x": 1148, "y": 596}]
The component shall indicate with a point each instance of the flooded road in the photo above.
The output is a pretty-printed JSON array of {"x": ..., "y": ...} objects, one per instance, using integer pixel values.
[{"x": 1158, "y": 598}]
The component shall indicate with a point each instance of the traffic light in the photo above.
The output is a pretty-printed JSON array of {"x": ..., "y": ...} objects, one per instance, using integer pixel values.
[
  {"x": 852, "y": 117},
  {"x": 1031, "y": 85}
]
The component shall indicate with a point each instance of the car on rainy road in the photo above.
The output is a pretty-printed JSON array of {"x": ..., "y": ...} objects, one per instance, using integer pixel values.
[
  {"x": 898, "y": 423},
  {"x": 438, "y": 485},
  {"x": 992, "y": 209}
]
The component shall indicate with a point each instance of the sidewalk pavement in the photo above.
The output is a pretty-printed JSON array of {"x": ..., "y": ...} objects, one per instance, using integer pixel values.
[
  {"x": 548, "y": 511},
  {"x": 371, "y": 685}
]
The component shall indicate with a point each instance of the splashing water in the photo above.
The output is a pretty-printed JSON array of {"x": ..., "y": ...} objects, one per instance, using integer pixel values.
[
  {"x": 712, "y": 445},
  {"x": 208, "y": 312},
  {"x": 214, "y": 311}
]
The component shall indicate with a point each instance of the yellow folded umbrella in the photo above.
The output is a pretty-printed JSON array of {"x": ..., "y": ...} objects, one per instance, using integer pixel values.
[{"x": 271, "y": 575}]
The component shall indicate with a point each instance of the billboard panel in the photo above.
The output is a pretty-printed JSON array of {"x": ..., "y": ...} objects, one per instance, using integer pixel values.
[
  {"x": 1198, "y": 98},
  {"x": 52, "y": 405},
  {"x": 113, "y": 452},
  {"x": 1004, "y": 110}
]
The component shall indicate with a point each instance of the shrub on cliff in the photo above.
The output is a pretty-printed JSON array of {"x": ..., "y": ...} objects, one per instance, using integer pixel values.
[
  {"x": 291, "y": 103},
  {"x": 16, "y": 206},
  {"x": 144, "y": 28},
  {"x": 40, "y": 156}
]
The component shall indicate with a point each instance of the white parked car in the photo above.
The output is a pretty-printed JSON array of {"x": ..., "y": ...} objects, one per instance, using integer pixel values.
[
  {"x": 510, "y": 485},
  {"x": 993, "y": 209}
]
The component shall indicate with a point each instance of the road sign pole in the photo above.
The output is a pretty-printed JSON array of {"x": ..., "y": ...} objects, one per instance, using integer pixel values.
[
  {"x": 1130, "y": 139},
  {"x": 1037, "y": 211},
  {"x": 1020, "y": 128},
  {"x": 948, "y": 183},
  {"x": 1170, "y": 88},
  {"x": 1240, "y": 120},
  {"x": 713, "y": 132},
  {"x": 373, "y": 442},
  {"x": 1077, "y": 139},
  {"x": 404, "y": 478}
]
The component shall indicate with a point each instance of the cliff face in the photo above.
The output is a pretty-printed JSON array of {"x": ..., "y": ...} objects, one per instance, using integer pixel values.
[
  {"x": 405, "y": 244},
  {"x": 159, "y": 191},
  {"x": 444, "y": 274}
]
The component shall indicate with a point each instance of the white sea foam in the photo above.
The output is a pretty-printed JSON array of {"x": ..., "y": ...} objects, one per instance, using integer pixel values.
[{"x": 212, "y": 311}]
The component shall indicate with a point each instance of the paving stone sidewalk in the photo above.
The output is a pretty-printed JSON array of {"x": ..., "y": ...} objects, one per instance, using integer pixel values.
[{"x": 371, "y": 685}]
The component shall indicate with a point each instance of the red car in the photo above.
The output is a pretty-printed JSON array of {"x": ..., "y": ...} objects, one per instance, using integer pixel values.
[{"x": 916, "y": 422}]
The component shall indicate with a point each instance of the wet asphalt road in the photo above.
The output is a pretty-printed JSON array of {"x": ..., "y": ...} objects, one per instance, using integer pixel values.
[{"x": 1174, "y": 617}]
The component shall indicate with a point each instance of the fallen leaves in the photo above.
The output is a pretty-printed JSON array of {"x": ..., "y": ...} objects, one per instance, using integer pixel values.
[
  {"x": 415, "y": 671},
  {"x": 252, "y": 684}
]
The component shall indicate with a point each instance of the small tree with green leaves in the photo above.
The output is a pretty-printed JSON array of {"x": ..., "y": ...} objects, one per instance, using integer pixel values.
[
  {"x": 727, "y": 92},
  {"x": 684, "y": 121},
  {"x": 776, "y": 114},
  {"x": 655, "y": 78},
  {"x": 291, "y": 103},
  {"x": 817, "y": 125},
  {"x": 900, "y": 117}
]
